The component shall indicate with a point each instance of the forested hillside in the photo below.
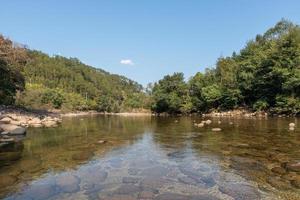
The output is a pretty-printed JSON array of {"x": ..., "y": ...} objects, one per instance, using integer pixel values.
[
  {"x": 33, "y": 79},
  {"x": 264, "y": 75}
]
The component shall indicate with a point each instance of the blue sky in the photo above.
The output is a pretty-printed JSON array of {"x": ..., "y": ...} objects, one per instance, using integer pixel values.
[{"x": 143, "y": 40}]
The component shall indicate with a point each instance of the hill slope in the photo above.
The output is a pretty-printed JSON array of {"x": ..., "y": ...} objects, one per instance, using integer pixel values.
[{"x": 59, "y": 82}]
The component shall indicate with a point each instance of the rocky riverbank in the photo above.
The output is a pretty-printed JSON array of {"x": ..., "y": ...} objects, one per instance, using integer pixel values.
[{"x": 14, "y": 121}]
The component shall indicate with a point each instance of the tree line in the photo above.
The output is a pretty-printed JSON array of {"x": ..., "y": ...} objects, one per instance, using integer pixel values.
[{"x": 263, "y": 76}]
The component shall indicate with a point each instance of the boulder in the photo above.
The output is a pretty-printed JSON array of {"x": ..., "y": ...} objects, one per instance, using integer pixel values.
[
  {"x": 5, "y": 120},
  {"x": 13, "y": 129}
]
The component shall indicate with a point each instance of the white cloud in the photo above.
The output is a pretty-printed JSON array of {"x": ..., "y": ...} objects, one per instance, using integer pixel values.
[{"x": 126, "y": 62}]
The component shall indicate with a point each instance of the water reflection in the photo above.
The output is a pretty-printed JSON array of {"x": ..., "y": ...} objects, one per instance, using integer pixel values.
[{"x": 154, "y": 158}]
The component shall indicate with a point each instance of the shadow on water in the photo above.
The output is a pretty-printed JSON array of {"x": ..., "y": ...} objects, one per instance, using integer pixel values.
[{"x": 112, "y": 157}]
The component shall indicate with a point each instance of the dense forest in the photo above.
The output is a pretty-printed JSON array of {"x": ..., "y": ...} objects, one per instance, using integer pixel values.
[
  {"x": 33, "y": 79},
  {"x": 263, "y": 76}
]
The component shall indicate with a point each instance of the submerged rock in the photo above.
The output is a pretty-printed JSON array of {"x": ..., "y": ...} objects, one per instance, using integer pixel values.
[
  {"x": 278, "y": 183},
  {"x": 82, "y": 156},
  {"x": 131, "y": 180},
  {"x": 7, "y": 180},
  {"x": 41, "y": 192},
  {"x": 296, "y": 182},
  {"x": 128, "y": 189},
  {"x": 240, "y": 191},
  {"x": 146, "y": 195},
  {"x": 118, "y": 197},
  {"x": 171, "y": 196},
  {"x": 157, "y": 171},
  {"x": 292, "y": 166},
  {"x": 68, "y": 183},
  {"x": 278, "y": 170}
]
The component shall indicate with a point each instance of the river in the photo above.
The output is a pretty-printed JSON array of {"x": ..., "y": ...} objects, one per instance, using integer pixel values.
[{"x": 163, "y": 158}]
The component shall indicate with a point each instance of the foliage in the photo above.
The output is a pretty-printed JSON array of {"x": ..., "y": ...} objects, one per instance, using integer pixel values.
[
  {"x": 12, "y": 58},
  {"x": 265, "y": 75}
]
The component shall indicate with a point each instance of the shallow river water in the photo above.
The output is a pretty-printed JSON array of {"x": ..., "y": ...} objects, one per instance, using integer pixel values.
[{"x": 163, "y": 158}]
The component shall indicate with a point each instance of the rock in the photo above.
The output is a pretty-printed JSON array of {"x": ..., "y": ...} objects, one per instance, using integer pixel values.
[
  {"x": 5, "y": 120},
  {"x": 7, "y": 140},
  {"x": 296, "y": 182},
  {"x": 82, "y": 156},
  {"x": 4, "y": 133},
  {"x": 41, "y": 192},
  {"x": 216, "y": 129},
  {"x": 18, "y": 131},
  {"x": 35, "y": 121},
  {"x": 94, "y": 178},
  {"x": 278, "y": 170},
  {"x": 36, "y": 125},
  {"x": 290, "y": 176},
  {"x": 291, "y": 128},
  {"x": 203, "y": 197},
  {"x": 101, "y": 141},
  {"x": 292, "y": 125},
  {"x": 208, "y": 121},
  {"x": 278, "y": 183},
  {"x": 157, "y": 171},
  {"x": 200, "y": 125},
  {"x": 7, "y": 180},
  {"x": 146, "y": 195},
  {"x": 15, "y": 123},
  {"x": 171, "y": 196},
  {"x": 68, "y": 183},
  {"x": 152, "y": 183},
  {"x": 9, "y": 156},
  {"x": 118, "y": 197},
  {"x": 49, "y": 123},
  {"x": 128, "y": 189},
  {"x": 292, "y": 166},
  {"x": 246, "y": 164},
  {"x": 240, "y": 191},
  {"x": 131, "y": 180},
  {"x": 187, "y": 180},
  {"x": 133, "y": 171},
  {"x": 30, "y": 165},
  {"x": 13, "y": 129}
]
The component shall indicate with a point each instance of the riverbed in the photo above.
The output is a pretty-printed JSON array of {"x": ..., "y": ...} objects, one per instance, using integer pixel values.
[{"x": 147, "y": 157}]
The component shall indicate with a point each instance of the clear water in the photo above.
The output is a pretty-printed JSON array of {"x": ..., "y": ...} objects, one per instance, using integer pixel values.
[{"x": 160, "y": 158}]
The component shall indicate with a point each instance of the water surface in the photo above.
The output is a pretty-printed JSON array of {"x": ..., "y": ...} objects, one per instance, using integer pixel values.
[{"x": 111, "y": 157}]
